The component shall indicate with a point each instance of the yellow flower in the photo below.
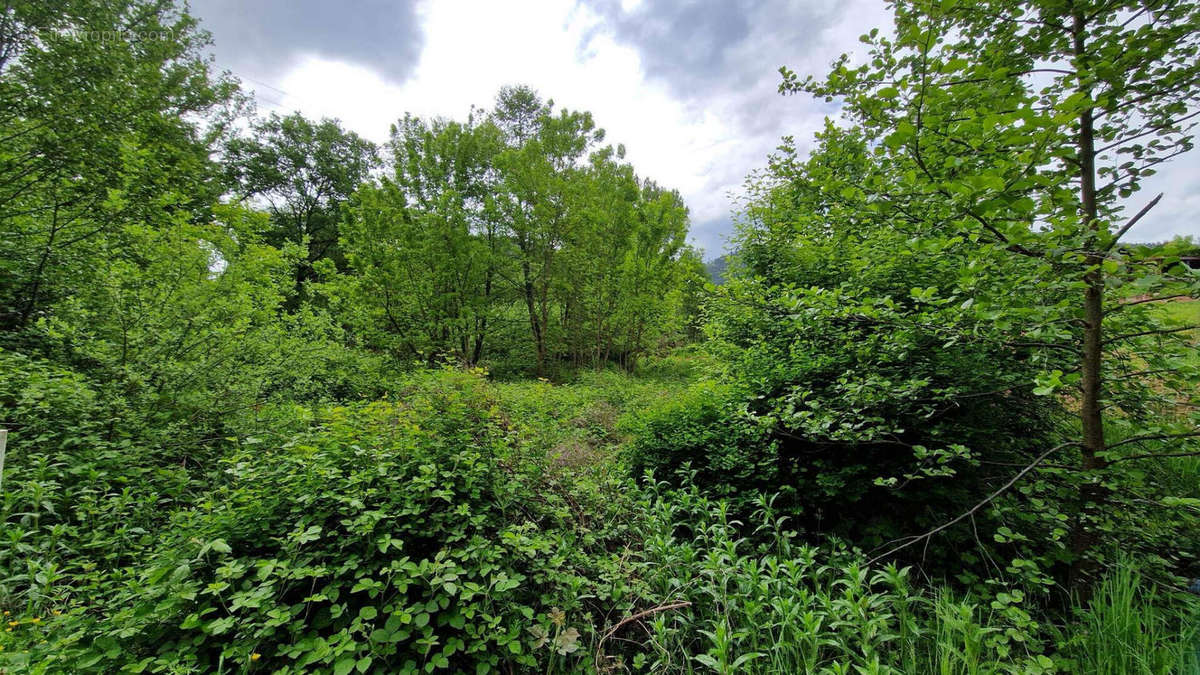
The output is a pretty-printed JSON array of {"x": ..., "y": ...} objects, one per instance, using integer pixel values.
[
  {"x": 56, "y": 613},
  {"x": 14, "y": 623},
  {"x": 255, "y": 656},
  {"x": 36, "y": 619}
]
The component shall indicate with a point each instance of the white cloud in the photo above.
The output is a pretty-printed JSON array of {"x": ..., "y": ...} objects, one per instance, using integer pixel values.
[
  {"x": 472, "y": 50},
  {"x": 703, "y": 140}
]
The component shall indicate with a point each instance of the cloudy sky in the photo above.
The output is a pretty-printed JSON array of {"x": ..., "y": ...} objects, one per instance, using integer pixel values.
[{"x": 690, "y": 88}]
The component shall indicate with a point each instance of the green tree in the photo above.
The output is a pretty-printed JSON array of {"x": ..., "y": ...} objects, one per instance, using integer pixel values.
[
  {"x": 538, "y": 171},
  {"x": 653, "y": 272},
  {"x": 303, "y": 171},
  {"x": 1019, "y": 129},
  {"x": 852, "y": 343},
  {"x": 107, "y": 111},
  {"x": 515, "y": 218},
  {"x": 422, "y": 251}
]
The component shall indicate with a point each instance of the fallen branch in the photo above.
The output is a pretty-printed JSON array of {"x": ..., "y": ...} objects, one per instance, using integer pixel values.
[
  {"x": 630, "y": 619},
  {"x": 971, "y": 512}
]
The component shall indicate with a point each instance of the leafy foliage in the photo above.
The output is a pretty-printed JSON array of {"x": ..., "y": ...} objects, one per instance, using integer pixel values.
[
  {"x": 304, "y": 172},
  {"x": 512, "y": 238},
  {"x": 266, "y": 412}
]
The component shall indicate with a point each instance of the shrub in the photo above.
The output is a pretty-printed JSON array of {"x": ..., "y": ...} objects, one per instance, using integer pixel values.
[
  {"x": 391, "y": 537},
  {"x": 80, "y": 491},
  {"x": 703, "y": 436}
]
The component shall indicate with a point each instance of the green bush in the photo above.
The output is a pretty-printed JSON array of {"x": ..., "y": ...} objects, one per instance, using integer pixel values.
[
  {"x": 704, "y": 436},
  {"x": 392, "y": 537},
  {"x": 80, "y": 491}
]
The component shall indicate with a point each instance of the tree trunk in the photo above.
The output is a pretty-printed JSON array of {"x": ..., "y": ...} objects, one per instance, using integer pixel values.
[
  {"x": 1091, "y": 407},
  {"x": 534, "y": 325}
]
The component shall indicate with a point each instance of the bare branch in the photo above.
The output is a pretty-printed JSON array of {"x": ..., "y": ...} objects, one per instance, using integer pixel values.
[
  {"x": 636, "y": 617},
  {"x": 1159, "y": 331},
  {"x": 1133, "y": 221},
  {"x": 1150, "y": 437},
  {"x": 1045, "y": 345},
  {"x": 909, "y": 541},
  {"x": 1160, "y": 455},
  {"x": 1154, "y": 299},
  {"x": 1146, "y": 132}
]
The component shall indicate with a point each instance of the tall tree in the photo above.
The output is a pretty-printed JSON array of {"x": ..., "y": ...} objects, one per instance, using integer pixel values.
[
  {"x": 422, "y": 251},
  {"x": 304, "y": 171},
  {"x": 107, "y": 112},
  {"x": 1021, "y": 128},
  {"x": 533, "y": 197},
  {"x": 509, "y": 219}
]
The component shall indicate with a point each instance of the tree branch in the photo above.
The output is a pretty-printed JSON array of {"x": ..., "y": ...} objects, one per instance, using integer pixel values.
[
  {"x": 1159, "y": 331},
  {"x": 1150, "y": 437},
  {"x": 1156, "y": 455},
  {"x": 970, "y": 512},
  {"x": 1133, "y": 221},
  {"x": 1154, "y": 299}
]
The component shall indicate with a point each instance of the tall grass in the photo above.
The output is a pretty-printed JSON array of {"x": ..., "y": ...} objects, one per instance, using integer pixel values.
[
  {"x": 761, "y": 602},
  {"x": 768, "y": 604},
  {"x": 1127, "y": 629}
]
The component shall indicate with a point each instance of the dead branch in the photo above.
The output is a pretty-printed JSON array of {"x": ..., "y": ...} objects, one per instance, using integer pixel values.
[{"x": 909, "y": 541}]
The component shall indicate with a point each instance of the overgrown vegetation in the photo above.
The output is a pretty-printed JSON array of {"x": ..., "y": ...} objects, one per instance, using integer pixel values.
[{"x": 280, "y": 400}]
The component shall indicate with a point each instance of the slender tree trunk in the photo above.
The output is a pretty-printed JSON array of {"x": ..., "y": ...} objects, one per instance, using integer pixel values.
[
  {"x": 477, "y": 351},
  {"x": 31, "y": 301},
  {"x": 1091, "y": 407},
  {"x": 534, "y": 325}
]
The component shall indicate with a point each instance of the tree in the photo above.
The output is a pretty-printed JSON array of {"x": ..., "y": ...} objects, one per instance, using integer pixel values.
[
  {"x": 422, "y": 252},
  {"x": 850, "y": 339},
  {"x": 516, "y": 217},
  {"x": 304, "y": 171},
  {"x": 653, "y": 271},
  {"x": 1019, "y": 128},
  {"x": 107, "y": 111},
  {"x": 537, "y": 180}
]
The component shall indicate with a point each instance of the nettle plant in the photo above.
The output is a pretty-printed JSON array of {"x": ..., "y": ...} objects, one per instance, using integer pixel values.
[{"x": 1022, "y": 132}]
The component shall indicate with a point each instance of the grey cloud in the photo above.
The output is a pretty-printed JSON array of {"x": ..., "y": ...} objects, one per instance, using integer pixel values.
[
  {"x": 260, "y": 39},
  {"x": 722, "y": 58},
  {"x": 700, "y": 48},
  {"x": 712, "y": 235},
  {"x": 1179, "y": 183}
]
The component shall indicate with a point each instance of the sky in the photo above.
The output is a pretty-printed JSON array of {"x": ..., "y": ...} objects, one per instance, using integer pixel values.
[{"x": 690, "y": 88}]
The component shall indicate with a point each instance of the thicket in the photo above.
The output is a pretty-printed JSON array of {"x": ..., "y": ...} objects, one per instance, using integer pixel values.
[{"x": 279, "y": 400}]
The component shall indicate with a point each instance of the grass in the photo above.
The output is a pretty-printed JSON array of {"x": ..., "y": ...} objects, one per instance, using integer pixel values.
[
  {"x": 1126, "y": 630},
  {"x": 1185, "y": 313},
  {"x": 1182, "y": 312},
  {"x": 579, "y": 424}
]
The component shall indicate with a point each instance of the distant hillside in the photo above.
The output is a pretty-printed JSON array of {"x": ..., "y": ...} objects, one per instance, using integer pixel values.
[{"x": 716, "y": 268}]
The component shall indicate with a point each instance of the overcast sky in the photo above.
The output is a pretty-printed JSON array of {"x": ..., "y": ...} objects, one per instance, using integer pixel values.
[{"x": 690, "y": 88}]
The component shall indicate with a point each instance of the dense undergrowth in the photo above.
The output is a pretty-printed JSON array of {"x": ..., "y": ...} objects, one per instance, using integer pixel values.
[
  {"x": 277, "y": 406},
  {"x": 475, "y": 526}
]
